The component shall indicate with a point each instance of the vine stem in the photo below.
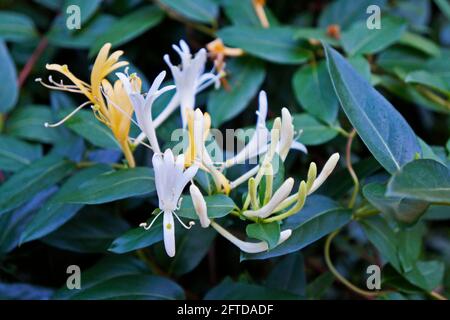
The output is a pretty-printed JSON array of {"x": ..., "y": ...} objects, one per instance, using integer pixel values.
[
  {"x": 25, "y": 72},
  {"x": 348, "y": 161},
  {"x": 437, "y": 295},
  {"x": 341, "y": 278}
]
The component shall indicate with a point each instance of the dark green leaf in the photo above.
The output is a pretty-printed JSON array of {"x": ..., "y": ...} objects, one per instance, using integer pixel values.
[
  {"x": 129, "y": 27},
  {"x": 422, "y": 179},
  {"x": 313, "y": 132},
  {"x": 90, "y": 231},
  {"x": 200, "y": 10},
  {"x": 9, "y": 90},
  {"x": 359, "y": 39},
  {"x": 289, "y": 275},
  {"x": 15, "y": 154},
  {"x": 314, "y": 91},
  {"x": 112, "y": 186},
  {"x": 381, "y": 127},
  {"x": 38, "y": 176},
  {"x": 28, "y": 123},
  {"x": 55, "y": 213},
  {"x": 16, "y": 27},
  {"x": 275, "y": 44},
  {"x": 245, "y": 77},
  {"x": 218, "y": 205},
  {"x": 268, "y": 232},
  {"x": 229, "y": 290}
]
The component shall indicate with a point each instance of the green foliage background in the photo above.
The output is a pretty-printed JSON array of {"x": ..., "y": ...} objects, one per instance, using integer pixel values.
[{"x": 391, "y": 85}]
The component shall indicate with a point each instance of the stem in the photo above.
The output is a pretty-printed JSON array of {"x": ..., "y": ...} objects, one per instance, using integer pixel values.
[
  {"x": 350, "y": 168},
  {"x": 25, "y": 72},
  {"x": 87, "y": 164},
  {"x": 341, "y": 131},
  {"x": 128, "y": 154},
  {"x": 341, "y": 278},
  {"x": 433, "y": 97}
]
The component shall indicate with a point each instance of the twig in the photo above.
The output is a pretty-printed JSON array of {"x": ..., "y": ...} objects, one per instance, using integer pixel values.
[
  {"x": 348, "y": 161},
  {"x": 25, "y": 72}
]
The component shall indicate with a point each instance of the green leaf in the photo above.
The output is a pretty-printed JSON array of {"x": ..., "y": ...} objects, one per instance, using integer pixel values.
[
  {"x": 60, "y": 36},
  {"x": 319, "y": 286},
  {"x": 191, "y": 247},
  {"x": 268, "y": 232},
  {"x": 55, "y": 213},
  {"x": 133, "y": 287},
  {"x": 85, "y": 124},
  {"x": 426, "y": 275},
  {"x": 218, "y": 205},
  {"x": 289, "y": 275},
  {"x": 230, "y": 290},
  {"x": 404, "y": 210},
  {"x": 15, "y": 153},
  {"x": 28, "y": 123},
  {"x": 359, "y": 39},
  {"x": 245, "y": 76},
  {"x": 38, "y": 176},
  {"x": 436, "y": 212},
  {"x": 129, "y": 27},
  {"x": 410, "y": 246},
  {"x": 138, "y": 238},
  {"x": 420, "y": 43},
  {"x": 432, "y": 80},
  {"x": 383, "y": 238},
  {"x": 381, "y": 127},
  {"x": 90, "y": 231},
  {"x": 9, "y": 90},
  {"x": 313, "y": 132},
  {"x": 201, "y": 10},
  {"x": 243, "y": 13},
  {"x": 112, "y": 186},
  {"x": 345, "y": 13},
  {"x": 444, "y": 6},
  {"x": 16, "y": 27},
  {"x": 108, "y": 268},
  {"x": 24, "y": 291},
  {"x": 275, "y": 44},
  {"x": 314, "y": 91},
  {"x": 319, "y": 217},
  {"x": 423, "y": 179}
]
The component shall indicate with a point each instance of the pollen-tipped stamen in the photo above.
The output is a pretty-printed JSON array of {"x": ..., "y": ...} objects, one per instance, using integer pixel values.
[{"x": 52, "y": 125}]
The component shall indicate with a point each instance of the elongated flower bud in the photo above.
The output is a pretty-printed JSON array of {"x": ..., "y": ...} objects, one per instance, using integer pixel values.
[
  {"x": 281, "y": 194},
  {"x": 199, "y": 205},
  {"x": 326, "y": 171},
  {"x": 249, "y": 247}
]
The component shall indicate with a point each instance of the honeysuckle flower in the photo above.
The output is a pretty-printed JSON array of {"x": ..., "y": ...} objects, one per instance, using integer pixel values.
[
  {"x": 199, "y": 125},
  {"x": 105, "y": 63},
  {"x": 259, "y": 9},
  {"x": 259, "y": 142},
  {"x": 170, "y": 180},
  {"x": 190, "y": 77},
  {"x": 218, "y": 51},
  {"x": 249, "y": 247},
  {"x": 143, "y": 105}
]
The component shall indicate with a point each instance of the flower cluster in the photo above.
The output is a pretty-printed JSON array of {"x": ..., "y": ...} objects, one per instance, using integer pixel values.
[{"x": 114, "y": 105}]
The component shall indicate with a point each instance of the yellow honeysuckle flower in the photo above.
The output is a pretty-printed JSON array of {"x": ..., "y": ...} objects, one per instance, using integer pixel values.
[
  {"x": 117, "y": 110},
  {"x": 199, "y": 125},
  {"x": 259, "y": 9}
]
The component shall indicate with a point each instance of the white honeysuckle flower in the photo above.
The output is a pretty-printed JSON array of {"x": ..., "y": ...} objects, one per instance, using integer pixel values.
[
  {"x": 249, "y": 247},
  {"x": 143, "y": 105},
  {"x": 190, "y": 77},
  {"x": 170, "y": 180},
  {"x": 199, "y": 205},
  {"x": 279, "y": 196},
  {"x": 261, "y": 139},
  {"x": 325, "y": 173}
]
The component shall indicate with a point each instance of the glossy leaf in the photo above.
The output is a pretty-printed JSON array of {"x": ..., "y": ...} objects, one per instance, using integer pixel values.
[
  {"x": 218, "y": 206},
  {"x": 16, "y": 27},
  {"x": 200, "y": 10},
  {"x": 314, "y": 91},
  {"x": 15, "y": 153},
  {"x": 275, "y": 44},
  {"x": 381, "y": 127},
  {"x": 268, "y": 232},
  {"x": 313, "y": 132},
  {"x": 424, "y": 179},
  {"x": 25, "y": 184},
  {"x": 9, "y": 90}
]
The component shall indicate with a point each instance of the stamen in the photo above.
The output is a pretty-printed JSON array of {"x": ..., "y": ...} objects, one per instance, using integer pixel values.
[
  {"x": 66, "y": 117},
  {"x": 140, "y": 142},
  {"x": 57, "y": 87},
  {"x": 191, "y": 223},
  {"x": 144, "y": 224}
]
